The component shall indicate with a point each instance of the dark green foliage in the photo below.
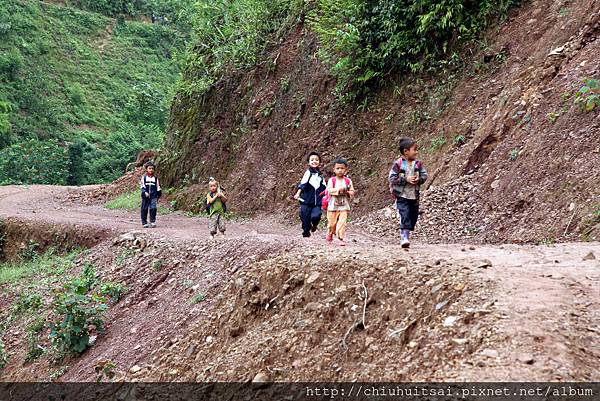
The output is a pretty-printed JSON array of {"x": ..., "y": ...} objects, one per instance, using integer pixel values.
[
  {"x": 34, "y": 162},
  {"x": 76, "y": 86},
  {"x": 77, "y": 310},
  {"x": 365, "y": 40},
  {"x": 588, "y": 96},
  {"x": 231, "y": 35},
  {"x": 112, "y": 290}
]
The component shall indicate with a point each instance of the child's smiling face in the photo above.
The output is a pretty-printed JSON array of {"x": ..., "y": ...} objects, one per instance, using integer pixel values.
[
  {"x": 314, "y": 161},
  {"x": 213, "y": 187},
  {"x": 411, "y": 153},
  {"x": 150, "y": 170}
]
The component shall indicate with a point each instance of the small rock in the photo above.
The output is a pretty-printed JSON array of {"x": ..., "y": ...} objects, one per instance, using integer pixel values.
[
  {"x": 413, "y": 344},
  {"x": 135, "y": 369},
  {"x": 127, "y": 237},
  {"x": 260, "y": 377},
  {"x": 526, "y": 358},
  {"x": 449, "y": 321},
  {"x": 209, "y": 340},
  {"x": 190, "y": 351},
  {"x": 133, "y": 330},
  {"x": 312, "y": 306},
  {"x": 459, "y": 341},
  {"x": 490, "y": 353},
  {"x": 484, "y": 264},
  {"x": 441, "y": 305},
  {"x": 314, "y": 276},
  {"x": 589, "y": 256}
]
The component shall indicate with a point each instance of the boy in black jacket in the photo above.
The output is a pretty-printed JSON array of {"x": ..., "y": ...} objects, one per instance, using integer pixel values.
[
  {"x": 150, "y": 193},
  {"x": 309, "y": 193}
]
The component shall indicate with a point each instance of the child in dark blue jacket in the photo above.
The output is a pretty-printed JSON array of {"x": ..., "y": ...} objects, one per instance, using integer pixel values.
[
  {"x": 150, "y": 193},
  {"x": 310, "y": 195}
]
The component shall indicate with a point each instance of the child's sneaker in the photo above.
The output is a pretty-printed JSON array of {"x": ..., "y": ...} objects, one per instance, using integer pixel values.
[
  {"x": 146, "y": 225},
  {"x": 306, "y": 235},
  {"x": 341, "y": 243},
  {"x": 405, "y": 243},
  {"x": 329, "y": 237},
  {"x": 152, "y": 225},
  {"x": 314, "y": 227}
]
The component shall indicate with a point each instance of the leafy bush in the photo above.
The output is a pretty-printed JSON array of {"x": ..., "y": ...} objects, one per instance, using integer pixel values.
[
  {"x": 27, "y": 303},
  {"x": 146, "y": 105},
  {"x": 77, "y": 311},
  {"x": 363, "y": 40},
  {"x": 11, "y": 63},
  {"x": 113, "y": 290},
  {"x": 588, "y": 96},
  {"x": 231, "y": 35},
  {"x": 108, "y": 7},
  {"x": 93, "y": 91},
  {"x": 34, "y": 162}
]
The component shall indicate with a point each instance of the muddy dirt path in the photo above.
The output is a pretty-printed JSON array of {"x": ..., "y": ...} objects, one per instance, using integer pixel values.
[
  {"x": 50, "y": 204},
  {"x": 547, "y": 298}
]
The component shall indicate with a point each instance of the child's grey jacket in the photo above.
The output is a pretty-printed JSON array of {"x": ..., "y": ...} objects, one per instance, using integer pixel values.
[{"x": 397, "y": 177}]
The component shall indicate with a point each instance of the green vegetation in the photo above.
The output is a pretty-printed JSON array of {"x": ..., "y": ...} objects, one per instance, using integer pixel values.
[
  {"x": 65, "y": 324},
  {"x": 114, "y": 291},
  {"x": 198, "y": 298},
  {"x": 76, "y": 308},
  {"x": 514, "y": 154},
  {"x": 459, "y": 140},
  {"x": 588, "y": 96},
  {"x": 552, "y": 116},
  {"x": 81, "y": 93},
  {"x": 232, "y": 35},
  {"x": 132, "y": 201},
  {"x": 437, "y": 143},
  {"x": 364, "y": 41},
  {"x": 46, "y": 264}
]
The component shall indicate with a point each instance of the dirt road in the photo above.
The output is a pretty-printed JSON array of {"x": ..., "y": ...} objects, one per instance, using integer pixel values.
[{"x": 545, "y": 299}]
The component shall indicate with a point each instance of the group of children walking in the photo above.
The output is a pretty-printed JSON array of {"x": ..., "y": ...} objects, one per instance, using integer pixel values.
[
  {"x": 216, "y": 205},
  {"x": 334, "y": 196},
  {"x": 316, "y": 195}
]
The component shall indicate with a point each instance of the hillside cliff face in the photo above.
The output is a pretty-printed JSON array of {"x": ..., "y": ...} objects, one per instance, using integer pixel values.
[{"x": 511, "y": 155}]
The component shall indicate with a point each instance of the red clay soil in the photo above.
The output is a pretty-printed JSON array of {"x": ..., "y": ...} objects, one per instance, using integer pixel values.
[{"x": 287, "y": 308}]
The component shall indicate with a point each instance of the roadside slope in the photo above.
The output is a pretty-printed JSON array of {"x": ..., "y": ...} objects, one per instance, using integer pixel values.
[{"x": 263, "y": 301}]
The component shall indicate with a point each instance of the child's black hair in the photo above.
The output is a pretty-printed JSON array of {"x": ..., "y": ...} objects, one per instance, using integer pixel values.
[
  {"x": 340, "y": 160},
  {"x": 313, "y": 153},
  {"x": 149, "y": 163},
  {"x": 405, "y": 144}
]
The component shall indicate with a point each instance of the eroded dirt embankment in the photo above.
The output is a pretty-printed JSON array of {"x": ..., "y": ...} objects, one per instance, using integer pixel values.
[{"x": 263, "y": 301}]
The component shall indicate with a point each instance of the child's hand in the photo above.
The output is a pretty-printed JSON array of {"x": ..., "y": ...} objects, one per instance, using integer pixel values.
[
  {"x": 351, "y": 192},
  {"x": 296, "y": 196},
  {"x": 147, "y": 194},
  {"x": 413, "y": 179}
]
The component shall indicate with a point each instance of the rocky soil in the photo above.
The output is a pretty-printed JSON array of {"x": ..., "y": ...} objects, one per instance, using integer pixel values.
[{"x": 265, "y": 304}]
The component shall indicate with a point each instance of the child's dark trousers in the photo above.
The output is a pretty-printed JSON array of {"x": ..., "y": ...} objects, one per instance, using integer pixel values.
[
  {"x": 408, "y": 209},
  {"x": 310, "y": 216},
  {"x": 149, "y": 204}
]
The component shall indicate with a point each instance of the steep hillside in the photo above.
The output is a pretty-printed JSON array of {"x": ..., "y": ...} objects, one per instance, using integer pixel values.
[
  {"x": 511, "y": 153},
  {"x": 80, "y": 93}
]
